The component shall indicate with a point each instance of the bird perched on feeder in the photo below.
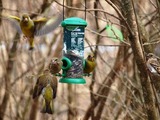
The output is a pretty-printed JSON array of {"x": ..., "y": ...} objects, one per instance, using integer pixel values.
[
  {"x": 152, "y": 64},
  {"x": 31, "y": 28},
  {"x": 89, "y": 65},
  {"x": 55, "y": 65},
  {"x": 47, "y": 86}
]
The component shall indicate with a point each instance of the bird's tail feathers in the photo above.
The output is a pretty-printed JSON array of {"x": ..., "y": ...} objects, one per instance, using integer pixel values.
[
  {"x": 31, "y": 43},
  {"x": 47, "y": 107},
  {"x": 43, "y": 107}
]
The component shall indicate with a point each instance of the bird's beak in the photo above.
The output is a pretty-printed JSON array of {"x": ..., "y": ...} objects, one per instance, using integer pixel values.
[
  {"x": 25, "y": 19},
  {"x": 55, "y": 62}
]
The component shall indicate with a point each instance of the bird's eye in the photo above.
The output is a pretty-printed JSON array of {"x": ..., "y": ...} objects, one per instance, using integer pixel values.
[{"x": 150, "y": 55}]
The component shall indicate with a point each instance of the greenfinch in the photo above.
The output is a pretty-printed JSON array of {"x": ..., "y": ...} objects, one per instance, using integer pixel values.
[
  {"x": 31, "y": 28},
  {"x": 55, "y": 65},
  {"x": 47, "y": 93},
  {"x": 47, "y": 86},
  {"x": 89, "y": 65}
]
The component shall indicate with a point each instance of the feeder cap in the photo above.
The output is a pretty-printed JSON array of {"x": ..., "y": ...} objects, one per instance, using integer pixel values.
[{"x": 74, "y": 21}]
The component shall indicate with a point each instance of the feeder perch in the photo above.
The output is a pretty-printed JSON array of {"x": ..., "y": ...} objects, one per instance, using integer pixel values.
[{"x": 73, "y": 51}]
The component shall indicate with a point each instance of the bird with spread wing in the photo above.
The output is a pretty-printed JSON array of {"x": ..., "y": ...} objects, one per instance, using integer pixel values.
[{"x": 31, "y": 28}]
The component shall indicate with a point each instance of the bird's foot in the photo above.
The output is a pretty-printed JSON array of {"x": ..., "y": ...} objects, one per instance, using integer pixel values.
[
  {"x": 87, "y": 74},
  {"x": 58, "y": 74},
  {"x": 24, "y": 37}
]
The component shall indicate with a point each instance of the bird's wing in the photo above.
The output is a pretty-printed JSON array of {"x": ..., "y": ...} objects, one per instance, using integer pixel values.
[
  {"x": 14, "y": 20},
  {"x": 35, "y": 92},
  {"x": 43, "y": 27},
  {"x": 54, "y": 85},
  {"x": 35, "y": 89},
  {"x": 151, "y": 68},
  {"x": 14, "y": 17},
  {"x": 40, "y": 22},
  {"x": 86, "y": 65},
  {"x": 155, "y": 63},
  {"x": 40, "y": 84}
]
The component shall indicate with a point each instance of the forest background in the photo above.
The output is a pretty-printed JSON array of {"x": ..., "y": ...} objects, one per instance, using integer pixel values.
[{"x": 120, "y": 88}]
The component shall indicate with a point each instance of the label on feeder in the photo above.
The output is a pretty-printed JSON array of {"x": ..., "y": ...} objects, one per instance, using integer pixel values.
[{"x": 74, "y": 40}]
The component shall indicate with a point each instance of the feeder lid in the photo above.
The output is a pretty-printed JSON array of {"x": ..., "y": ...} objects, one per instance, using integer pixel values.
[
  {"x": 74, "y": 21},
  {"x": 73, "y": 80}
]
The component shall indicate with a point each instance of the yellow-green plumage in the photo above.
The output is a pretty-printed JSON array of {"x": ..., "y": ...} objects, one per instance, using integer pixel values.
[
  {"x": 27, "y": 27},
  {"x": 47, "y": 86},
  {"x": 31, "y": 28},
  {"x": 89, "y": 64},
  {"x": 47, "y": 93}
]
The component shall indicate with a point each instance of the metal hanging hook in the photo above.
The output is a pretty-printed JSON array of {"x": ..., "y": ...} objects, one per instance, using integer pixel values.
[
  {"x": 85, "y": 9},
  {"x": 63, "y": 9}
]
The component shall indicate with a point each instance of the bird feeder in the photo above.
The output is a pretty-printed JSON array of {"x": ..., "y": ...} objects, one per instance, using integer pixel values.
[{"x": 73, "y": 50}]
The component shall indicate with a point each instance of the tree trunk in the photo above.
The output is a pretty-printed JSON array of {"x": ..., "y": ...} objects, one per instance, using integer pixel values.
[{"x": 139, "y": 57}]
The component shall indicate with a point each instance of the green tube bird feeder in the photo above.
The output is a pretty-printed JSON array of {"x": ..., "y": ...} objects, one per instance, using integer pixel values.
[{"x": 73, "y": 50}]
